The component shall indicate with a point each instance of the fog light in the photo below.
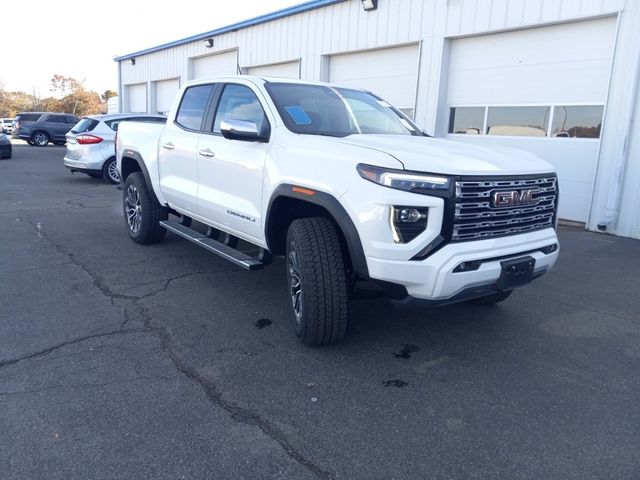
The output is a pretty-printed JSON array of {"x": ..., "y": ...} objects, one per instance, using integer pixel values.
[
  {"x": 408, "y": 222},
  {"x": 409, "y": 215}
]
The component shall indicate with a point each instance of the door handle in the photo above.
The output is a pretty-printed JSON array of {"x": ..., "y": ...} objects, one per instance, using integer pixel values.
[
  {"x": 168, "y": 146},
  {"x": 206, "y": 153}
]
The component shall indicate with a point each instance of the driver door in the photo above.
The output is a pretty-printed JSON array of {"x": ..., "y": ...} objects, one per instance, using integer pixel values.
[{"x": 231, "y": 171}]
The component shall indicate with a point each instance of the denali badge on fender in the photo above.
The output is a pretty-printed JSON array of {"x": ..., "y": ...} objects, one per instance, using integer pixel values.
[{"x": 514, "y": 198}]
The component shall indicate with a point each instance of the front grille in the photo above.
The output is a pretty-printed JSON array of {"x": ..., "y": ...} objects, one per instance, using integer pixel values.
[{"x": 476, "y": 218}]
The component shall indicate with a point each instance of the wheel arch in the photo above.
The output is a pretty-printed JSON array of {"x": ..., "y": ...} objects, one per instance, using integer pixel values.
[
  {"x": 288, "y": 203},
  {"x": 132, "y": 162}
]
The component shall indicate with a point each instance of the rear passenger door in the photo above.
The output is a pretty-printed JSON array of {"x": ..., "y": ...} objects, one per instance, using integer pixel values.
[
  {"x": 177, "y": 151},
  {"x": 57, "y": 127}
]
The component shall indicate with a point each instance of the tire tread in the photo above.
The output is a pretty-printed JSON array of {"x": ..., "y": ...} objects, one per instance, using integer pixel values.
[{"x": 325, "y": 307}]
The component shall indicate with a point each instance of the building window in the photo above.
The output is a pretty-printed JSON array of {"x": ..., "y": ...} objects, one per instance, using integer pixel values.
[
  {"x": 467, "y": 120},
  {"x": 557, "y": 121},
  {"x": 577, "y": 121},
  {"x": 518, "y": 121},
  {"x": 192, "y": 107}
]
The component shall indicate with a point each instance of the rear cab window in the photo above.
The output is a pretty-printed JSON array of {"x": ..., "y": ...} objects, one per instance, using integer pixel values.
[{"x": 193, "y": 107}]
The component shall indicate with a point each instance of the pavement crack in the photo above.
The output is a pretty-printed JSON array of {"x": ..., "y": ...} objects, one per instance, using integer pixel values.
[
  {"x": 48, "y": 350},
  {"x": 237, "y": 413}
]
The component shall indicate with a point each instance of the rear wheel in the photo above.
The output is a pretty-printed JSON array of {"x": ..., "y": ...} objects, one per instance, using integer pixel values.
[
  {"x": 493, "y": 298},
  {"x": 110, "y": 171},
  {"x": 40, "y": 139},
  {"x": 317, "y": 281},
  {"x": 142, "y": 212}
]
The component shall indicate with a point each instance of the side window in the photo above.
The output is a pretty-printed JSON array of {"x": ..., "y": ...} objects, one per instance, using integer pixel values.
[
  {"x": 56, "y": 119},
  {"x": 239, "y": 103},
  {"x": 192, "y": 106},
  {"x": 72, "y": 120}
]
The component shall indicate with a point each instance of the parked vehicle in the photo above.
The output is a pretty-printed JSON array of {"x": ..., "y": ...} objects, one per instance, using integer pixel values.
[
  {"x": 347, "y": 188},
  {"x": 5, "y": 146},
  {"x": 6, "y": 125},
  {"x": 24, "y": 118},
  {"x": 91, "y": 145},
  {"x": 40, "y": 128}
]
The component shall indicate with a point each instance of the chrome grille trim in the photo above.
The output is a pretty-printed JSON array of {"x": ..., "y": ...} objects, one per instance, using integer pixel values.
[{"x": 475, "y": 219}]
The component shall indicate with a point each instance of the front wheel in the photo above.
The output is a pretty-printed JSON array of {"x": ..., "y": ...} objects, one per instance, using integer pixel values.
[
  {"x": 40, "y": 139},
  {"x": 110, "y": 171},
  {"x": 142, "y": 212},
  {"x": 317, "y": 280}
]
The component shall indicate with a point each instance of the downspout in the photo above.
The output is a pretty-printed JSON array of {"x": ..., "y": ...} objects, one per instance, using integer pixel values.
[{"x": 120, "y": 87}]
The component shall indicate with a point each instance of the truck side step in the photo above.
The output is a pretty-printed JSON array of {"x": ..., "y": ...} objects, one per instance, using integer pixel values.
[{"x": 234, "y": 256}]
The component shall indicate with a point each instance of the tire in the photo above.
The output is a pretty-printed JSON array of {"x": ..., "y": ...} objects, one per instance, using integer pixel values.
[
  {"x": 40, "y": 139},
  {"x": 317, "y": 280},
  {"x": 493, "y": 298},
  {"x": 142, "y": 212},
  {"x": 110, "y": 171},
  {"x": 30, "y": 142}
]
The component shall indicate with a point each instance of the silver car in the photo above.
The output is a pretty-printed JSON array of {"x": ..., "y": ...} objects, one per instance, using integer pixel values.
[{"x": 91, "y": 144}]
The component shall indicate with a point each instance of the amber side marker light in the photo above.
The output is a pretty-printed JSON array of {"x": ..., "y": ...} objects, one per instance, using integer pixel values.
[{"x": 304, "y": 191}]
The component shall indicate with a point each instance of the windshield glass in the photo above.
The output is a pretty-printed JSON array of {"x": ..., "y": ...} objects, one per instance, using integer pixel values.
[{"x": 336, "y": 112}]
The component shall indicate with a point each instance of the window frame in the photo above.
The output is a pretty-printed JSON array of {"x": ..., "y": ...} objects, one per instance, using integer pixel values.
[
  {"x": 215, "y": 103},
  {"x": 548, "y": 132},
  {"x": 212, "y": 94}
]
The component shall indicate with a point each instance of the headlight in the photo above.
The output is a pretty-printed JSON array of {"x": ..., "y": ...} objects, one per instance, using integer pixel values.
[{"x": 403, "y": 180}]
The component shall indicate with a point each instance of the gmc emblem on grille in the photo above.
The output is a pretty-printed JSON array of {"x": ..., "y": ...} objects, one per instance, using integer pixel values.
[{"x": 514, "y": 198}]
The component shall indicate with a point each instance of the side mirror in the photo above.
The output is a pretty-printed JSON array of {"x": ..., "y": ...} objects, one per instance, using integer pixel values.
[{"x": 241, "y": 130}]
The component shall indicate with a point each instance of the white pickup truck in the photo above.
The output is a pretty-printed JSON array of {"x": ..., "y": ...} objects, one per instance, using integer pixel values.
[{"x": 346, "y": 188}]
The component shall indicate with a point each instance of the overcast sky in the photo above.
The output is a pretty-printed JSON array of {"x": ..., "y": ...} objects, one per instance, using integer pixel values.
[{"x": 79, "y": 39}]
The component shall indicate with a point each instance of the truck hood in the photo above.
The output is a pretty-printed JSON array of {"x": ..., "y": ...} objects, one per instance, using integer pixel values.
[{"x": 435, "y": 155}]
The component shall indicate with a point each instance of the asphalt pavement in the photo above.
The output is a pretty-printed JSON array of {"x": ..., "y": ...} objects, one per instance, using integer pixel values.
[{"x": 122, "y": 361}]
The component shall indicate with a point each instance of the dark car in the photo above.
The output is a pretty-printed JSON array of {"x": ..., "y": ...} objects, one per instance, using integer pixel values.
[
  {"x": 40, "y": 128},
  {"x": 5, "y": 146}
]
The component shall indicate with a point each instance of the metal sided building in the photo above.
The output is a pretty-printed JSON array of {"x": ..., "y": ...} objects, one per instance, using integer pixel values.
[{"x": 556, "y": 77}]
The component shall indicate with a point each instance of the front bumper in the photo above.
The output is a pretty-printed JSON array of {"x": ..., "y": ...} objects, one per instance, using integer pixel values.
[{"x": 434, "y": 278}]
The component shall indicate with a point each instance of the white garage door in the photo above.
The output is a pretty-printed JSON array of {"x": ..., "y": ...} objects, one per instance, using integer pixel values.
[
  {"x": 287, "y": 70},
  {"x": 165, "y": 93},
  {"x": 218, "y": 64},
  {"x": 549, "y": 83},
  {"x": 137, "y": 98},
  {"x": 390, "y": 73}
]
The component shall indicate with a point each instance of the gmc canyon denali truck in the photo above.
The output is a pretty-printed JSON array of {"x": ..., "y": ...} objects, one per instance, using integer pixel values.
[{"x": 346, "y": 188}]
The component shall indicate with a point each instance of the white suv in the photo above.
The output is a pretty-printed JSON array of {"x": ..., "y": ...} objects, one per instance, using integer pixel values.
[
  {"x": 6, "y": 125},
  {"x": 91, "y": 144}
]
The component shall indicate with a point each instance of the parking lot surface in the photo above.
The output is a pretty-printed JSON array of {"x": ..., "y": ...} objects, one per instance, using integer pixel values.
[{"x": 125, "y": 361}]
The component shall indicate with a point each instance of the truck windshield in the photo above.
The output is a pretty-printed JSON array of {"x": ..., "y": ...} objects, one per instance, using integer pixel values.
[{"x": 336, "y": 112}]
